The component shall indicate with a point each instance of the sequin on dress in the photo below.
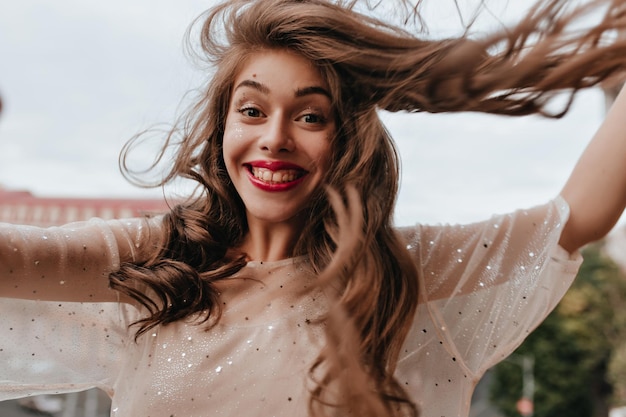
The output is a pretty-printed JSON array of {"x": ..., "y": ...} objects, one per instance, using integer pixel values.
[{"x": 483, "y": 288}]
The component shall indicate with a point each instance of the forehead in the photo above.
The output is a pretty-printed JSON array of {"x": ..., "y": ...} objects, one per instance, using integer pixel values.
[{"x": 280, "y": 68}]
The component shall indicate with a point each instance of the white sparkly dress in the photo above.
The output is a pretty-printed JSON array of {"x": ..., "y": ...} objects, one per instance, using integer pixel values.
[{"x": 483, "y": 288}]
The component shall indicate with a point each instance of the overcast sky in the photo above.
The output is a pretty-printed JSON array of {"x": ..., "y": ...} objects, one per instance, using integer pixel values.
[{"x": 79, "y": 77}]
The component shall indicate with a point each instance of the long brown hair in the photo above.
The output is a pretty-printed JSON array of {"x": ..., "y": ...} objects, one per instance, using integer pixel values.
[{"x": 369, "y": 65}]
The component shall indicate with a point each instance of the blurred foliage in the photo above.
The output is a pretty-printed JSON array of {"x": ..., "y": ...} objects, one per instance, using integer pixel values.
[{"x": 579, "y": 351}]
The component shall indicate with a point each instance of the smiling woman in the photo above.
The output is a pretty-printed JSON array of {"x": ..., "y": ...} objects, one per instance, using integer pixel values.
[
  {"x": 280, "y": 286},
  {"x": 277, "y": 147}
]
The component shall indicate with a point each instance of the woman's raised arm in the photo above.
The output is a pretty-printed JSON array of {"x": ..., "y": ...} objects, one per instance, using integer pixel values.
[
  {"x": 596, "y": 189},
  {"x": 72, "y": 262}
]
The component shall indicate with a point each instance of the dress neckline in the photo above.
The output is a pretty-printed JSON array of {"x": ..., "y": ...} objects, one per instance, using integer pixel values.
[{"x": 281, "y": 262}]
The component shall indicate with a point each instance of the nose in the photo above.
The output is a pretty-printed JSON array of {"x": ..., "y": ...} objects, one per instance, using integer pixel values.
[{"x": 276, "y": 138}]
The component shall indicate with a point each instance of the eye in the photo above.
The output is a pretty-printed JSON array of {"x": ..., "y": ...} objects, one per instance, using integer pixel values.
[
  {"x": 313, "y": 118},
  {"x": 250, "y": 112}
]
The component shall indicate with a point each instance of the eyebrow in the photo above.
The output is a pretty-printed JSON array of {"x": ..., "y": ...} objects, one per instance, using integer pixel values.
[
  {"x": 300, "y": 92},
  {"x": 253, "y": 84}
]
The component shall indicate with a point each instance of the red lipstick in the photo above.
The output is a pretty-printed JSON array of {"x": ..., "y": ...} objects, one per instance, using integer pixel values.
[{"x": 275, "y": 166}]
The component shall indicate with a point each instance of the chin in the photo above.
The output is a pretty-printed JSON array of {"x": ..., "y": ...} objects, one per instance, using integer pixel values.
[{"x": 277, "y": 216}]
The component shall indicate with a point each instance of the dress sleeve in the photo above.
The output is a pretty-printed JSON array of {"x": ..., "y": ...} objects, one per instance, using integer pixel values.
[
  {"x": 52, "y": 347},
  {"x": 61, "y": 328},
  {"x": 71, "y": 262},
  {"x": 485, "y": 286}
]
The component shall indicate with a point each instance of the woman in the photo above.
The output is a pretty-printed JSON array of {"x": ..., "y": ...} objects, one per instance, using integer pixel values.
[{"x": 281, "y": 287}]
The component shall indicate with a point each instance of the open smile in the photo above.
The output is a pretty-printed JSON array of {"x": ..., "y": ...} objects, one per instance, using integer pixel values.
[{"x": 275, "y": 176}]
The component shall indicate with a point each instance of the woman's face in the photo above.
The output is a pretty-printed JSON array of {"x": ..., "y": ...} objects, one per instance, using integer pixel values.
[{"x": 277, "y": 135}]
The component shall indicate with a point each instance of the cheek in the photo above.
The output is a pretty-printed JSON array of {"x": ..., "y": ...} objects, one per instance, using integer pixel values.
[
  {"x": 324, "y": 153},
  {"x": 232, "y": 145},
  {"x": 326, "y": 159}
]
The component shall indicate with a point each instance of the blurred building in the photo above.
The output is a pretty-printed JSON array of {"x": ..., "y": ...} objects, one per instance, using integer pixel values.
[{"x": 22, "y": 207}]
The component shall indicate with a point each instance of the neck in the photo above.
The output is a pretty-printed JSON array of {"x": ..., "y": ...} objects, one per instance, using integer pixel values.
[{"x": 270, "y": 241}]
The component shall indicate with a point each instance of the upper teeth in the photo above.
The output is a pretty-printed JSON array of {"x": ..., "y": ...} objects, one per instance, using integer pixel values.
[{"x": 266, "y": 175}]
